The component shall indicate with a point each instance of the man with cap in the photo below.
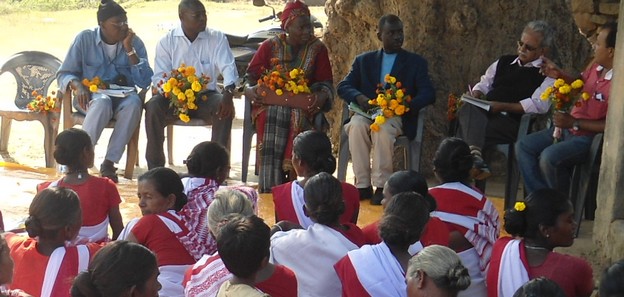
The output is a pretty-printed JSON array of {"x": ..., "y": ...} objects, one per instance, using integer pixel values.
[
  {"x": 209, "y": 52},
  {"x": 113, "y": 53}
]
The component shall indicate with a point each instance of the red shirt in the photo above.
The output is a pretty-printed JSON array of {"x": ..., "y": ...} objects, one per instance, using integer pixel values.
[
  {"x": 97, "y": 196},
  {"x": 30, "y": 265},
  {"x": 284, "y": 209},
  {"x": 152, "y": 232},
  {"x": 598, "y": 88}
]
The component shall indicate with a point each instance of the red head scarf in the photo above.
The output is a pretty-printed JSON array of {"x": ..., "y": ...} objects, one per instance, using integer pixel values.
[{"x": 292, "y": 10}]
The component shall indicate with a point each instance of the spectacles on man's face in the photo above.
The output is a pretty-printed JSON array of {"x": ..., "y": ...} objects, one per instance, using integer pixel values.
[
  {"x": 526, "y": 46},
  {"x": 120, "y": 23}
]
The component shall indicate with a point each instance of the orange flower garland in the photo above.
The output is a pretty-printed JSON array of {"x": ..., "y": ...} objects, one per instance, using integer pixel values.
[{"x": 44, "y": 104}]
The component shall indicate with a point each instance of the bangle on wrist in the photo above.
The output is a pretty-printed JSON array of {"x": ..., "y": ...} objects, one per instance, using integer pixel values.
[{"x": 278, "y": 227}]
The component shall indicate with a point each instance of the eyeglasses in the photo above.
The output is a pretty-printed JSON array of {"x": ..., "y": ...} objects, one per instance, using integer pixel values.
[
  {"x": 528, "y": 47},
  {"x": 120, "y": 24}
]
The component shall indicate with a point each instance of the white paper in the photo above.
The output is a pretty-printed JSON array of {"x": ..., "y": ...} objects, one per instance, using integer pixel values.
[
  {"x": 117, "y": 91},
  {"x": 484, "y": 104}
]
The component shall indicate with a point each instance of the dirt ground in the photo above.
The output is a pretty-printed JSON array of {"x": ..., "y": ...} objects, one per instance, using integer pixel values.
[{"x": 53, "y": 32}]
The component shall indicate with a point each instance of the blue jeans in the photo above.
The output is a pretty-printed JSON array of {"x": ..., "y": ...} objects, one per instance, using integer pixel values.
[{"x": 544, "y": 164}]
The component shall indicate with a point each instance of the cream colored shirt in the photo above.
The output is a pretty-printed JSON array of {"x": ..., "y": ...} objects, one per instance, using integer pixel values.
[{"x": 239, "y": 290}]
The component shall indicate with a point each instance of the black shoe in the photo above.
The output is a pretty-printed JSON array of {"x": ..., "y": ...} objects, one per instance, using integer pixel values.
[
  {"x": 366, "y": 193},
  {"x": 377, "y": 197},
  {"x": 108, "y": 169}
]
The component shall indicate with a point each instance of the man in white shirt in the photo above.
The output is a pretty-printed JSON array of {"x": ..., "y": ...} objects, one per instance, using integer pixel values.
[
  {"x": 208, "y": 51},
  {"x": 513, "y": 84}
]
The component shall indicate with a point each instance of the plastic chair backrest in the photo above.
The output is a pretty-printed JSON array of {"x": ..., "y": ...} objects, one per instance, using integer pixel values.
[{"x": 33, "y": 71}]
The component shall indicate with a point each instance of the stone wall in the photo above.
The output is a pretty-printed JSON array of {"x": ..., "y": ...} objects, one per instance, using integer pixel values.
[
  {"x": 589, "y": 14},
  {"x": 459, "y": 38}
]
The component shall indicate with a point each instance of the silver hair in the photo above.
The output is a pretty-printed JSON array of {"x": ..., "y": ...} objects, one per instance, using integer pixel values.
[
  {"x": 548, "y": 32},
  {"x": 442, "y": 265},
  {"x": 227, "y": 201}
]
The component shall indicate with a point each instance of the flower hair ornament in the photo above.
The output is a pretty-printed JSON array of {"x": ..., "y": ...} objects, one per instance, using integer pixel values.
[{"x": 520, "y": 206}]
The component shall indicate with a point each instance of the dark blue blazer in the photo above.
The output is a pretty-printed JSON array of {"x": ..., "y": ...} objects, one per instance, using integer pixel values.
[{"x": 409, "y": 68}]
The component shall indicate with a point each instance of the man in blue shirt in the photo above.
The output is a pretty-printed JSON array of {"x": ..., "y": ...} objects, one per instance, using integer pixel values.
[
  {"x": 114, "y": 54},
  {"x": 359, "y": 86}
]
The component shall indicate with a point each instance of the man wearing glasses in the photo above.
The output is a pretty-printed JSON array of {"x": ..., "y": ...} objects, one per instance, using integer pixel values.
[
  {"x": 209, "y": 52},
  {"x": 513, "y": 84},
  {"x": 114, "y": 54}
]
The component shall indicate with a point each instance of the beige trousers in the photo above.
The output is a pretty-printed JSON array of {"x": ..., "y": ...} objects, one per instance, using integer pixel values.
[{"x": 363, "y": 142}]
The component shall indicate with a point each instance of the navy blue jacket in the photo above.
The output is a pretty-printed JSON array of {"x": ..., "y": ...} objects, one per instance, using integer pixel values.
[{"x": 409, "y": 68}]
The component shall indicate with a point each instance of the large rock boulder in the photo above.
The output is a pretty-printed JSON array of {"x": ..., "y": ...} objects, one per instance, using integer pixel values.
[{"x": 459, "y": 38}]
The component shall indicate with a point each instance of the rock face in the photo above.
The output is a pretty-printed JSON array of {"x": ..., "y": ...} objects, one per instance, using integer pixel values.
[{"x": 459, "y": 38}]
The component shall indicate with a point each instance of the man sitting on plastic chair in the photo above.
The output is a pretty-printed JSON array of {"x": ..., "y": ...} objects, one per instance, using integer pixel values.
[
  {"x": 115, "y": 55},
  {"x": 359, "y": 86},
  {"x": 545, "y": 164},
  {"x": 513, "y": 85}
]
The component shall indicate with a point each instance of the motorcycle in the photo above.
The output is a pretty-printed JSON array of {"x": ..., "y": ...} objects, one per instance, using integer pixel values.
[{"x": 244, "y": 47}]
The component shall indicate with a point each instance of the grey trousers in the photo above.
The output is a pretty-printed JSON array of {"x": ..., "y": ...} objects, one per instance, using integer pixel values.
[
  {"x": 479, "y": 128},
  {"x": 127, "y": 115},
  {"x": 158, "y": 115}
]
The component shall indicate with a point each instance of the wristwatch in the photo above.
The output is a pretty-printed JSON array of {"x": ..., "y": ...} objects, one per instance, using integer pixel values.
[
  {"x": 230, "y": 89},
  {"x": 576, "y": 125},
  {"x": 132, "y": 52}
]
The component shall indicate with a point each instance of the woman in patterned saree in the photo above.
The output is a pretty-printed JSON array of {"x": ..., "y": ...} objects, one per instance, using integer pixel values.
[{"x": 277, "y": 125}]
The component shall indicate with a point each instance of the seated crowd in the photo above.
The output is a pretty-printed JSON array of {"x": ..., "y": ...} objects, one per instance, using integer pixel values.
[{"x": 198, "y": 237}]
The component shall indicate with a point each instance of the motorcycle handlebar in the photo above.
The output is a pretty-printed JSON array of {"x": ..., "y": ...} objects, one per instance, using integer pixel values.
[{"x": 266, "y": 19}]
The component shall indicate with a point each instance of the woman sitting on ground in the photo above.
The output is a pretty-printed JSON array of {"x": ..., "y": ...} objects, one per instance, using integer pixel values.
[
  {"x": 99, "y": 198},
  {"x": 277, "y": 126},
  {"x": 119, "y": 269},
  {"x": 311, "y": 253},
  {"x": 161, "y": 196},
  {"x": 470, "y": 217},
  {"x": 311, "y": 154},
  {"x": 436, "y": 271},
  {"x": 207, "y": 275},
  {"x": 543, "y": 222},
  {"x": 43, "y": 262},
  {"x": 402, "y": 223},
  {"x": 208, "y": 166},
  {"x": 435, "y": 231}
]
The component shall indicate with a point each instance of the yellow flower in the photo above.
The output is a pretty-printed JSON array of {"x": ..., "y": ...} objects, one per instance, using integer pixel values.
[
  {"x": 176, "y": 91},
  {"x": 173, "y": 82},
  {"x": 279, "y": 92},
  {"x": 520, "y": 206},
  {"x": 585, "y": 96},
  {"x": 184, "y": 117},
  {"x": 400, "y": 110},
  {"x": 392, "y": 79},
  {"x": 189, "y": 93},
  {"x": 196, "y": 86},
  {"x": 293, "y": 73},
  {"x": 181, "y": 96},
  {"x": 93, "y": 88},
  {"x": 380, "y": 97},
  {"x": 191, "y": 78},
  {"x": 301, "y": 89},
  {"x": 383, "y": 102},
  {"x": 372, "y": 102},
  {"x": 546, "y": 93},
  {"x": 190, "y": 71},
  {"x": 379, "y": 120},
  {"x": 192, "y": 106},
  {"x": 374, "y": 127},
  {"x": 387, "y": 78},
  {"x": 565, "y": 89},
  {"x": 167, "y": 87},
  {"x": 399, "y": 94},
  {"x": 559, "y": 82},
  {"x": 577, "y": 84}
]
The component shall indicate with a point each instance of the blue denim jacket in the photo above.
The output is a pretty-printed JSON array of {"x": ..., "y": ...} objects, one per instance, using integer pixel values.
[{"x": 86, "y": 59}]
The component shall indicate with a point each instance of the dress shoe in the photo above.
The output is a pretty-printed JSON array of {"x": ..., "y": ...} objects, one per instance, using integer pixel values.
[
  {"x": 377, "y": 197},
  {"x": 108, "y": 169},
  {"x": 365, "y": 193}
]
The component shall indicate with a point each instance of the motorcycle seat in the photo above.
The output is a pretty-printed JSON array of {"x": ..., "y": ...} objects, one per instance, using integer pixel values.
[{"x": 235, "y": 40}]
